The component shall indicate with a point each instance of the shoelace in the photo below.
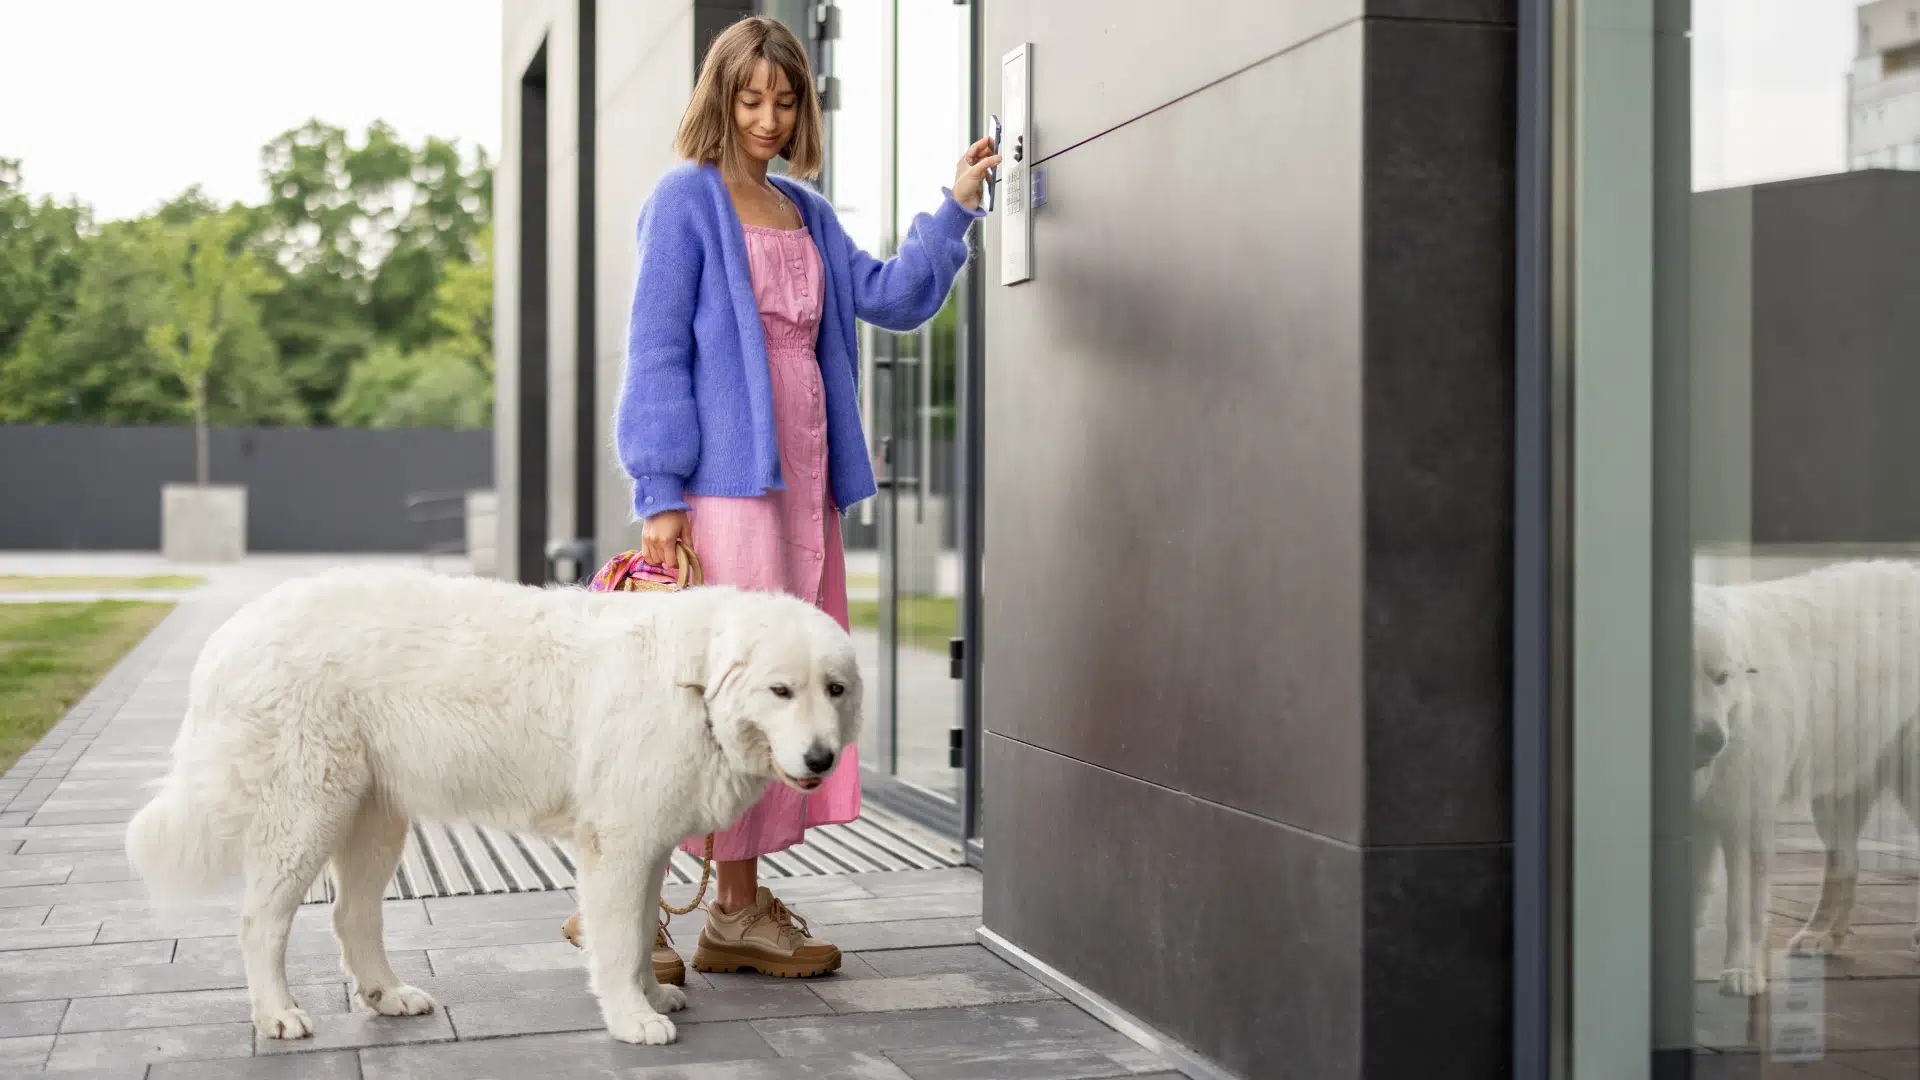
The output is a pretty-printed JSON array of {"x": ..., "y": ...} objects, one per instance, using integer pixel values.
[{"x": 784, "y": 918}]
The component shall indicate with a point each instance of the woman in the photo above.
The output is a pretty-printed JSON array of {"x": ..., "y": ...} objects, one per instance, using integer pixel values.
[{"x": 738, "y": 418}]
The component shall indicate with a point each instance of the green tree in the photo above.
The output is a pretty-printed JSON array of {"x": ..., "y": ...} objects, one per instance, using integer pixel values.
[
  {"x": 41, "y": 248},
  {"x": 210, "y": 284}
]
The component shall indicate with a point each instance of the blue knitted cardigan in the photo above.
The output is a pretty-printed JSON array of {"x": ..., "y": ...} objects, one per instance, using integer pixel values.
[{"x": 695, "y": 413}]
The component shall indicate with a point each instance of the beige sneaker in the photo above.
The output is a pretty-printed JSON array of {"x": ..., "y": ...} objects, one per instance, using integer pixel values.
[
  {"x": 762, "y": 938},
  {"x": 668, "y": 968}
]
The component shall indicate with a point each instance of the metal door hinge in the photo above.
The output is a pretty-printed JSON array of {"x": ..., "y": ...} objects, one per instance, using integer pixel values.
[
  {"x": 826, "y": 22},
  {"x": 956, "y": 746},
  {"x": 957, "y": 658}
]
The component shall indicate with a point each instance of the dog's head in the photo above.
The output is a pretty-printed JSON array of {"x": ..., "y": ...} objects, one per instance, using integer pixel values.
[
  {"x": 1722, "y": 678},
  {"x": 782, "y": 688}
]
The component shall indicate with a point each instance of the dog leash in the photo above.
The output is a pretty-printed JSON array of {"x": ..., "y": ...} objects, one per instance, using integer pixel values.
[{"x": 706, "y": 873}]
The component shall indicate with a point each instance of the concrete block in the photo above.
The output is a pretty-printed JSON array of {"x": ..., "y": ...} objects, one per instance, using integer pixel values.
[{"x": 203, "y": 524}]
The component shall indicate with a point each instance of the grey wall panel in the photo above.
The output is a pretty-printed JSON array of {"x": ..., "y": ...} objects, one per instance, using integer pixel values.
[
  {"x": 1438, "y": 426},
  {"x": 308, "y": 490},
  {"x": 1228, "y": 931},
  {"x": 1834, "y": 376},
  {"x": 1098, "y": 64},
  {"x": 1173, "y": 450}
]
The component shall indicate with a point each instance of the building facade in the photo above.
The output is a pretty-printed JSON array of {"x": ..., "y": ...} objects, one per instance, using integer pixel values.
[
  {"x": 1884, "y": 88},
  {"x": 1285, "y": 575}
]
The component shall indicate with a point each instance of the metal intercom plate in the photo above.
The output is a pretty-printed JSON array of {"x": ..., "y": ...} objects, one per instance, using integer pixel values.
[{"x": 1016, "y": 160}]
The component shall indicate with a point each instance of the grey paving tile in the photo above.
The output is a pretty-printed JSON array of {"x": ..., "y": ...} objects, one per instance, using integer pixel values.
[
  {"x": 96, "y": 816},
  {"x": 48, "y": 937},
  {"x": 13, "y": 818},
  {"x": 851, "y": 967},
  {"x": 931, "y": 1027},
  {"x": 31, "y": 1018},
  {"x": 34, "y": 895},
  {"x": 489, "y": 959},
  {"x": 850, "y": 1067},
  {"x": 171, "y": 978},
  {"x": 100, "y": 1049},
  {"x": 938, "y": 961},
  {"x": 362, "y": 1028},
  {"x": 326, "y": 1065},
  {"x": 82, "y": 958},
  {"x": 1028, "y": 1059},
  {"x": 22, "y": 917},
  {"x": 451, "y": 990},
  {"x": 25, "y": 1054},
  {"x": 55, "y": 845},
  {"x": 798, "y": 892},
  {"x": 950, "y": 990},
  {"x": 53, "y": 875},
  {"x": 578, "y": 1011},
  {"x": 191, "y": 1007},
  {"x": 908, "y": 934},
  {"x": 918, "y": 882},
  {"x": 552, "y": 906},
  {"x": 578, "y": 1054},
  {"x": 946, "y": 905},
  {"x": 115, "y": 869}
]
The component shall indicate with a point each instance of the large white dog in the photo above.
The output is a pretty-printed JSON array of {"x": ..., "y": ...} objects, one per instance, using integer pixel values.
[
  {"x": 328, "y": 712},
  {"x": 1803, "y": 686}
]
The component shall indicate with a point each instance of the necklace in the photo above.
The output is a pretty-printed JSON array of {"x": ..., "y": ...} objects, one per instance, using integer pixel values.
[{"x": 779, "y": 200}]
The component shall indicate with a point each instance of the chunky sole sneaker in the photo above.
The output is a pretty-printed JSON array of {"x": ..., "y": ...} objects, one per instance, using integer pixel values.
[
  {"x": 668, "y": 968},
  {"x": 764, "y": 937},
  {"x": 804, "y": 964}
]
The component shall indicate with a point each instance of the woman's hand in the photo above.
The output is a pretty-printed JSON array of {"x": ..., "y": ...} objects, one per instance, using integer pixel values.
[
  {"x": 657, "y": 538},
  {"x": 970, "y": 178}
]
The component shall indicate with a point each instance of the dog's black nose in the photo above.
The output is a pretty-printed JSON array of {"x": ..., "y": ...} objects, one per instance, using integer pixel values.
[{"x": 819, "y": 759}]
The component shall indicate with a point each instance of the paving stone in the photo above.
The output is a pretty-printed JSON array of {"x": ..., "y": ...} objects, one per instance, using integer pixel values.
[
  {"x": 895, "y": 908},
  {"x": 949, "y": 990},
  {"x": 800, "y": 893},
  {"x": 25, "y": 1054},
  {"x": 20, "y": 918},
  {"x": 325, "y": 1065},
  {"x": 55, "y": 875},
  {"x": 552, "y": 906},
  {"x": 940, "y": 961},
  {"x": 928, "y": 1027},
  {"x": 48, "y": 937},
  {"x": 919, "y": 882},
  {"x": 191, "y": 1007},
  {"x": 55, "y": 845},
  {"x": 850, "y": 1067},
  {"x": 487, "y": 959},
  {"x": 82, "y": 958},
  {"x": 1020, "y": 1059},
  {"x": 98, "y": 1049},
  {"x": 171, "y": 978},
  {"x": 362, "y": 1028},
  {"x": 503, "y": 986},
  {"x": 31, "y": 1018},
  {"x": 102, "y": 815},
  {"x": 578, "y": 1054},
  {"x": 579, "y": 1011},
  {"x": 905, "y": 934},
  {"x": 36, "y": 895}
]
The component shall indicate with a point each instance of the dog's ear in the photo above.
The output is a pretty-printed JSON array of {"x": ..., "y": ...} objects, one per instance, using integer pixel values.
[{"x": 713, "y": 670}]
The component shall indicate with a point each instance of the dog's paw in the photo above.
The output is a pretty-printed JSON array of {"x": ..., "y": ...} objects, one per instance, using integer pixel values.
[
  {"x": 666, "y": 998},
  {"x": 1815, "y": 943},
  {"x": 289, "y": 1023},
  {"x": 397, "y": 1000},
  {"x": 1742, "y": 982},
  {"x": 635, "y": 1026}
]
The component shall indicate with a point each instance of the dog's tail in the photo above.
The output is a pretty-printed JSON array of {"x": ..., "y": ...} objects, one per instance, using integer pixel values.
[{"x": 175, "y": 846}]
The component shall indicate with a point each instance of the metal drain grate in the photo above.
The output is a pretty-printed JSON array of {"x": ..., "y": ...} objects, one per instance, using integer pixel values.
[{"x": 462, "y": 860}]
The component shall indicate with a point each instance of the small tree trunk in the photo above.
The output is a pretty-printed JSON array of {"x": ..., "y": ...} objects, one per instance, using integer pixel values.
[{"x": 202, "y": 465}]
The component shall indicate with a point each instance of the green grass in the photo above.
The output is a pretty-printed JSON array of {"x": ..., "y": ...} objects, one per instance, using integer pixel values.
[
  {"x": 926, "y": 622},
  {"x": 52, "y": 654},
  {"x": 95, "y": 583}
]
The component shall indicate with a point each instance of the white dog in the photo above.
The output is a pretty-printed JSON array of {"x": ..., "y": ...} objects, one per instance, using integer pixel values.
[
  {"x": 1806, "y": 685},
  {"x": 327, "y": 713}
]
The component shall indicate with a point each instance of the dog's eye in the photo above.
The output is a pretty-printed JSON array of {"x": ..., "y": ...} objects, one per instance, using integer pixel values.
[
  {"x": 1720, "y": 678},
  {"x": 782, "y": 691},
  {"x": 835, "y": 689}
]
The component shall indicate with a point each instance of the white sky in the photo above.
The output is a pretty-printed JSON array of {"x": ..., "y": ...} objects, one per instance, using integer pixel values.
[{"x": 125, "y": 103}]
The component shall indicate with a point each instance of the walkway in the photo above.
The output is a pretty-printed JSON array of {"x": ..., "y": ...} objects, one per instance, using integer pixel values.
[{"x": 93, "y": 984}]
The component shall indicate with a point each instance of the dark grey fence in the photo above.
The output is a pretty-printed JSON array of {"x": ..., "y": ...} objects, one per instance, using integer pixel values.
[{"x": 308, "y": 489}]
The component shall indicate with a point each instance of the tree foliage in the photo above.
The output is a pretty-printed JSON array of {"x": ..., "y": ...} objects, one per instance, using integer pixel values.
[{"x": 358, "y": 292}]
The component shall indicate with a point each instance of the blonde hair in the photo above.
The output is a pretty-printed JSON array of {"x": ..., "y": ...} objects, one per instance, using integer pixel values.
[{"x": 707, "y": 130}]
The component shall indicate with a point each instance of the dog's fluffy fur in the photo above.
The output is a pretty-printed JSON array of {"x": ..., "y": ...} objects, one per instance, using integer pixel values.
[
  {"x": 327, "y": 713},
  {"x": 1803, "y": 686}
]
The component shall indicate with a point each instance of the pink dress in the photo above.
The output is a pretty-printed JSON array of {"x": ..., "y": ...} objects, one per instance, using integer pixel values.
[{"x": 784, "y": 541}]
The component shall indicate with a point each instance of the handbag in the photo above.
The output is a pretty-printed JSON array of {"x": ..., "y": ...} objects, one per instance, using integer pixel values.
[{"x": 628, "y": 572}]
